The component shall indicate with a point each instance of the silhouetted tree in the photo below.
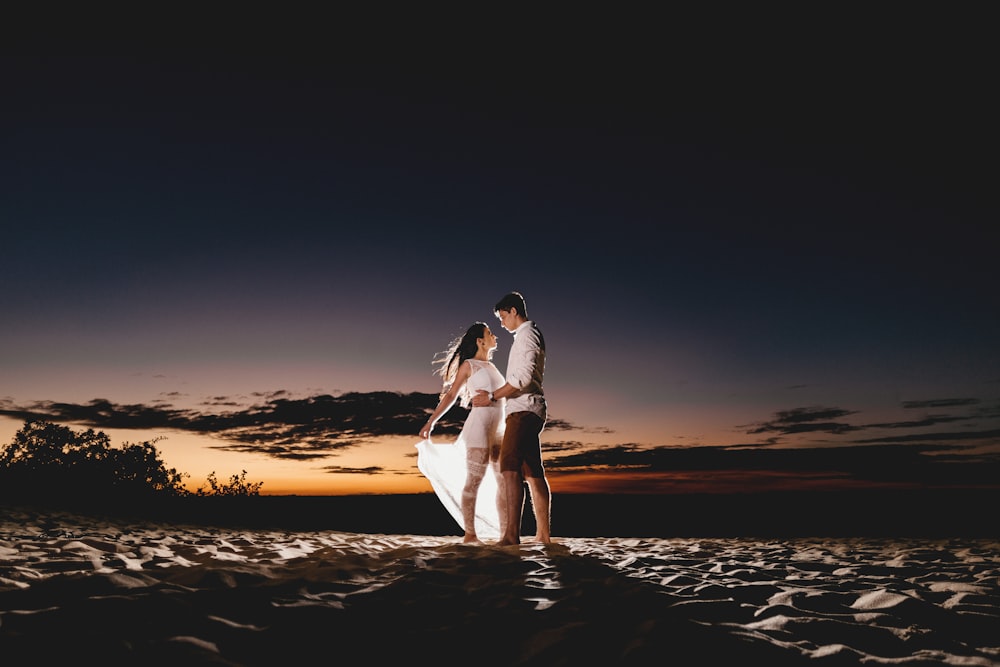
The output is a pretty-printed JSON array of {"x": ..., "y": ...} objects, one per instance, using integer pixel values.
[
  {"x": 137, "y": 466},
  {"x": 47, "y": 462},
  {"x": 42, "y": 445}
]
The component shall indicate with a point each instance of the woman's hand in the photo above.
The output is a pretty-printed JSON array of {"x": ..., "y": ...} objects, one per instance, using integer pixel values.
[{"x": 425, "y": 432}]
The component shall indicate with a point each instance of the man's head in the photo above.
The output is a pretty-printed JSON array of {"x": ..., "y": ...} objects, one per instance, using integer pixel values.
[{"x": 511, "y": 311}]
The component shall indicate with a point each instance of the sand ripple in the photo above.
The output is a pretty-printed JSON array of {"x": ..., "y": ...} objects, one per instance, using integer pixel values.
[{"x": 76, "y": 588}]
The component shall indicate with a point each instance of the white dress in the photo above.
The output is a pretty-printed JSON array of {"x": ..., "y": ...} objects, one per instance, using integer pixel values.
[{"x": 446, "y": 464}]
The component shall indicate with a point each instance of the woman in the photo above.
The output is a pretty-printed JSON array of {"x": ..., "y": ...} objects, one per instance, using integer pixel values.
[{"x": 458, "y": 471}]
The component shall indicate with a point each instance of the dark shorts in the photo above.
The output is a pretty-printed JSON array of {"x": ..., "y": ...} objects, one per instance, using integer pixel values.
[{"x": 521, "y": 450}]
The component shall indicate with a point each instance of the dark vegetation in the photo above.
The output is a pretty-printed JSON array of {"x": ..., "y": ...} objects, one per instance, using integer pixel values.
[{"x": 53, "y": 466}]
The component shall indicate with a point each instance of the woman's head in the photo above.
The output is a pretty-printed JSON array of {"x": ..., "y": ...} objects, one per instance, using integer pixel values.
[
  {"x": 471, "y": 341},
  {"x": 477, "y": 337}
]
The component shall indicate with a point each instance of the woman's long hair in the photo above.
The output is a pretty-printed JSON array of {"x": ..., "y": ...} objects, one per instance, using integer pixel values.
[{"x": 450, "y": 360}]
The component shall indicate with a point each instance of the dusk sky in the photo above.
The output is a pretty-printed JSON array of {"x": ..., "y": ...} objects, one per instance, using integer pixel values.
[{"x": 754, "y": 270}]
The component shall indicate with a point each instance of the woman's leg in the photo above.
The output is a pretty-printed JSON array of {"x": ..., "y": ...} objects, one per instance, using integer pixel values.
[{"x": 476, "y": 460}]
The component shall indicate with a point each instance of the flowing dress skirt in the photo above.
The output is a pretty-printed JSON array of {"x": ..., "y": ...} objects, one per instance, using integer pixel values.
[{"x": 444, "y": 465}]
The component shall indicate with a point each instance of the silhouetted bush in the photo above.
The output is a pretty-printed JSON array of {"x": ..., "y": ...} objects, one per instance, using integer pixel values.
[
  {"x": 52, "y": 464},
  {"x": 237, "y": 486}
]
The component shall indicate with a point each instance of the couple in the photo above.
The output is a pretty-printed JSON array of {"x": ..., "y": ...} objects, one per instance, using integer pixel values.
[{"x": 501, "y": 432}]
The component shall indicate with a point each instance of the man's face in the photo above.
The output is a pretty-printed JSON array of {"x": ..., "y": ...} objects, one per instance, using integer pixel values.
[{"x": 506, "y": 318}]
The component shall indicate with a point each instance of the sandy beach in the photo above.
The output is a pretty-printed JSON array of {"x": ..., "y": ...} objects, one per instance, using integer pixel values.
[{"x": 81, "y": 589}]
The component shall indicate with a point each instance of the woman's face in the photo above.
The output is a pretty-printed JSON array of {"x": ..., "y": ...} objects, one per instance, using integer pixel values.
[{"x": 489, "y": 339}]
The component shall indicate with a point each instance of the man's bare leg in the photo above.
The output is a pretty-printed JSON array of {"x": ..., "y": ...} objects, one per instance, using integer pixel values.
[
  {"x": 514, "y": 491},
  {"x": 541, "y": 502}
]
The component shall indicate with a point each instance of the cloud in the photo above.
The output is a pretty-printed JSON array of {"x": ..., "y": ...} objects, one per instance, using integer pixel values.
[
  {"x": 930, "y": 420},
  {"x": 553, "y": 424},
  {"x": 923, "y": 457},
  {"x": 941, "y": 403},
  {"x": 370, "y": 470},
  {"x": 976, "y": 426},
  {"x": 277, "y": 425},
  {"x": 989, "y": 435},
  {"x": 319, "y": 426},
  {"x": 806, "y": 420},
  {"x": 925, "y": 464},
  {"x": 285, "y": 428}
]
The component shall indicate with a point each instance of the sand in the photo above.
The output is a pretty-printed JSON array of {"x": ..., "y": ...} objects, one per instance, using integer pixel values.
[{"x": 80, "y": 589}]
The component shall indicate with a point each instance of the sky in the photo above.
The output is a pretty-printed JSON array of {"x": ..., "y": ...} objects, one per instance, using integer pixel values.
[{"x": 756, "y": 268}]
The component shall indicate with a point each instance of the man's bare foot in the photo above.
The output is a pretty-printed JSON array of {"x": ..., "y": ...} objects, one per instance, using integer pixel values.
[
  {"x": 540, "y": 540},
  {"x": 470, "y": 539},
  {"x": 506, "y": 542}
]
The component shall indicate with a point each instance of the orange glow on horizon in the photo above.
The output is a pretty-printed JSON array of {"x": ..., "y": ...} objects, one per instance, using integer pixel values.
[
  {"x": 344, "y": 485},
  {"x": 593, "y": 482},
  {"x": 387, "y": 466}
]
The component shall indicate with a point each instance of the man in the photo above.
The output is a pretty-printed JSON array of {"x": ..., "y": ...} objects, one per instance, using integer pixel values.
[{"x": 520, "y": 450}]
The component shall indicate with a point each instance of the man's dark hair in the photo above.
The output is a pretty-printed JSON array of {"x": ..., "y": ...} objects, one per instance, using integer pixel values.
[{"x": 512, "y": 300}]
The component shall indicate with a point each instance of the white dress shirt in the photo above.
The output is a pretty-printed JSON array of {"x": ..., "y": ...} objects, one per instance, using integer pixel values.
[{"x": 525, "y": 368}]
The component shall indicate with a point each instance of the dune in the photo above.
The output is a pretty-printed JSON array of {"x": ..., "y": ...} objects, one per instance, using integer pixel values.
[{"x": 82, "y": 588}]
